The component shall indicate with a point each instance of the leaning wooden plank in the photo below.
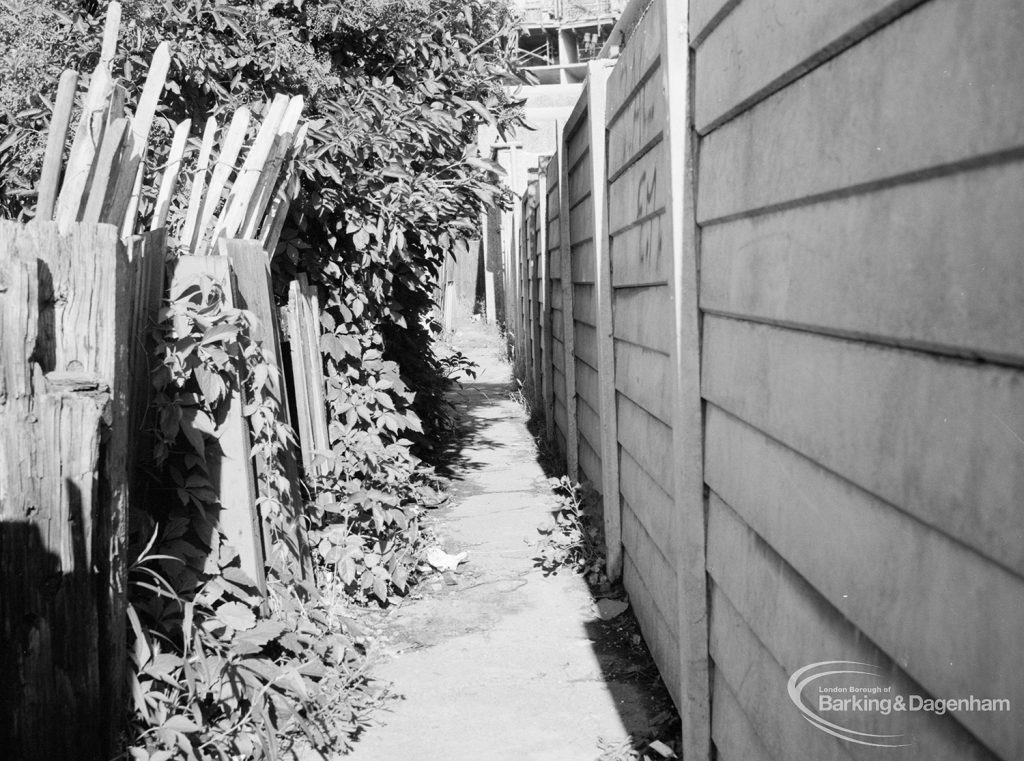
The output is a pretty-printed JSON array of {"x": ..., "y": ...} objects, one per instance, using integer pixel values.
[
  {"x": 148, "y": 265},
  {"x": 115, "y": 107},
  {"x": 268, "y": 178},
  {"x": 199, "y": 180},
  {"x": 230, "y": 146},
  {"x": 245, "y": 183},
  {"x": 110, "y": 32},
  {"x": 131, "y": 212},
  {"x": 60, "y": 121},
  {"x": 231, "y": 470},
  {"x": 83, "y": 150},
  {"x": 116, "y": 208},
  {"x": 169, "y": 183},
  {"x": 104, "y": 169},
  {"x": 251, "y": 267},
  {"x": 300, "y": 376},
  {"x": 288, "y": 188},
  {"x": 314, "y": 362}
]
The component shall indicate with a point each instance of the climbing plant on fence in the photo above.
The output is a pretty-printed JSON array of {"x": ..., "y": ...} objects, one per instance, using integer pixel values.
[{"x": 390, "y": 183}]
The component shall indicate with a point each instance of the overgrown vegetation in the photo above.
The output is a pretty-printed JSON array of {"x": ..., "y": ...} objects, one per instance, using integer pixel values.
[
  {"x": 396, "y": 91},
  {"x": 574, "y": 539}
]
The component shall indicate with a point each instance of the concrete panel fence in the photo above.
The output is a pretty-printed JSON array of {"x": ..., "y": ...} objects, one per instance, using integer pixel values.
[{"x": 773, "y": 303}]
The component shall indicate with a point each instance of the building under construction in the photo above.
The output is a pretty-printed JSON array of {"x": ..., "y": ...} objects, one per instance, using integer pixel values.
[{"x": 558, "y": 37}]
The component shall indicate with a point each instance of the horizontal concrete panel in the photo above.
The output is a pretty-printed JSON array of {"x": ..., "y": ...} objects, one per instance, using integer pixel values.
[
  {"x": 590, "y": 463},
  {"x": 645, "y": 377},
  {"x": 554, "y": 231},
  {"x": 640, "y": 254},
  {"x": 941, "y": 439},
  {"x": 761, "y": 46},
  {"x": 904, "y": 100},
  {"x": 642, "y": 51},
  {"x": 734, "y": 737},
  {"x": 759, "y": 685},
  {"x": 585, "y": 343},
  {"x": 557, "y": 326},
  {"x": 704, "y": 12},
  {"x": 658, "y": 634},
  {"x": 651, "y": 504},
  {"x": 581, "y": 222},
  {"x": 639, "y": 191},
  {"x": 581, "y": 180},
  {"x": 587, "y": 390},
  {"x": 643, "y": 316},
  {"x": 584, "y": 304},
  {"x": 934, "y": 264},
  {"x": 558, "y": 381},
  {"x": 584, "y": 265},
  {"x": 640, "y": 124},
  {"x": 923, "y": 598},
  {"x": 658, "y": 574},
  {"x": 648, "y": 441},
  {"x": 577, "y": 142},
  {"x": 557, "y": 297}
]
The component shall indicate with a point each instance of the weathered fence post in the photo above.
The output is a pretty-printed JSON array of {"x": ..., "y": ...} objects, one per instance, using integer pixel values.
[{"x": 63, "y": 487}]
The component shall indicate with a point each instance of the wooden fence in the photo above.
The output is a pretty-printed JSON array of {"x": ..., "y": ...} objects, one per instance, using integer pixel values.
[
  {"x": 787, "y": 333},
  {"x": 80, "y": 290}
]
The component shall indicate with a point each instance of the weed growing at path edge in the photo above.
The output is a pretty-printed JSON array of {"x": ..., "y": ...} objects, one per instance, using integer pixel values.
[{"x": 574, "y": 539}]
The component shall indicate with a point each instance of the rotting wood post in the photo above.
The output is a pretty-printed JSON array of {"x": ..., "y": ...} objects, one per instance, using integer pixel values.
[
  {"x": 63, "y": 487},
  {"x": 251, "y": 267},
  {"x": 687, "y": 417},
  {"x": 597, "y": 78},
  {"x": 572, "y": 441},
  {"x": 231, "y": 470}
]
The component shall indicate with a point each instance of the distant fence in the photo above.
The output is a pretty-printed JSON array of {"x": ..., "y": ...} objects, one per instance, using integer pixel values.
[{"x": 786, "y": 323}]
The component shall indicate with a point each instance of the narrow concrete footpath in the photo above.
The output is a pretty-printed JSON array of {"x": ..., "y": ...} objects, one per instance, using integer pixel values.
[{"x": 504, "y": 664}]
